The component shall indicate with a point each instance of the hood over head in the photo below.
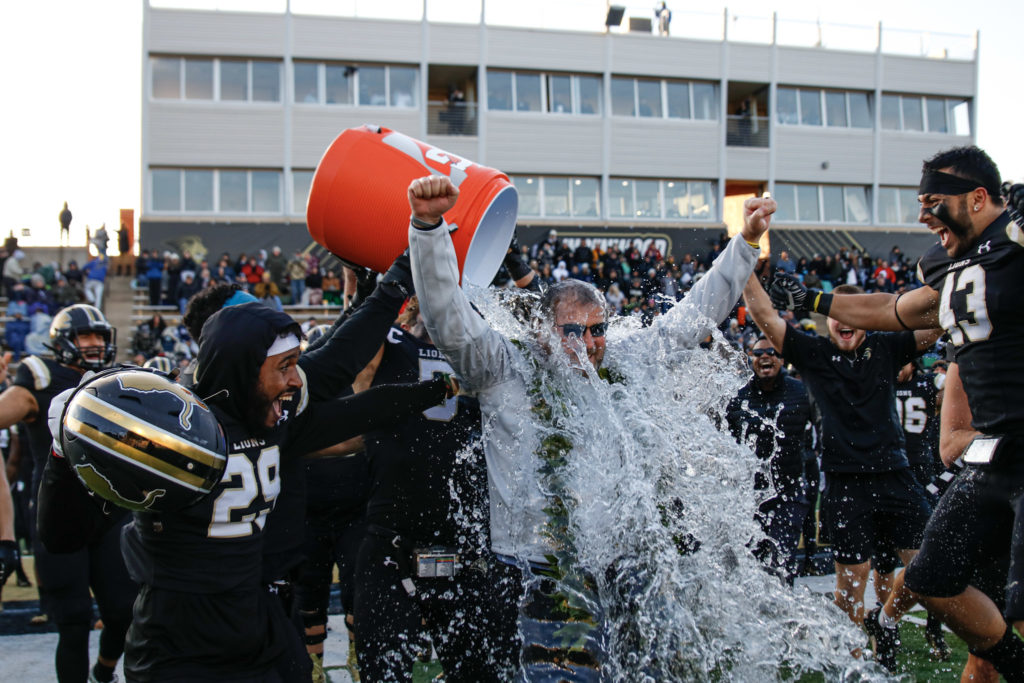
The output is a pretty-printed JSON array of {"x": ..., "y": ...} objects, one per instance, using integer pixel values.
[{"x": 232, "y": 347}]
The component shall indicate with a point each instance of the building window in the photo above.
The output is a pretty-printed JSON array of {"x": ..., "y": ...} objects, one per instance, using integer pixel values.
[
  {"x": 648, "y": 98},
  {"x": 816, "y": 107},
  {"x": 216, "y": 191},
  {"x": 237, "y": 80},
  {"x": 552, "y": 93},
  {"x": 926, "y": 113},
  {"x": 898, "y": 205},
  {"x": 658, "y": 199},
  {"x": 558, "y": 196},
  {"x": 351, "y": 84},
  {"x": 822, "y": 203},
  {"x": 302, "y": 181}
]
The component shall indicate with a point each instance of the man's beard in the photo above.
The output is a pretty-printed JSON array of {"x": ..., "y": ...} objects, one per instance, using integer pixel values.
[
  {"x": 959, "y": 225},
  {"x": 256, "y": 410}
]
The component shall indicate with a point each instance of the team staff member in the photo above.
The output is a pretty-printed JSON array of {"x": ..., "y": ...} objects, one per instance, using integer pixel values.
[
  {"x": 774, "y": 412},
  {"x": 419, "y": 483},
  {"x": 973, "y": 279},
  {"x": 81, "y": 339},
  {"x": 498, "y": 371},
  {"x": 871, "y": 499}
]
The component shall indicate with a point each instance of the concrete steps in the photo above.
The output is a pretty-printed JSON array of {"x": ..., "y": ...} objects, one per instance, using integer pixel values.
[{"x": 117, "y": 306}]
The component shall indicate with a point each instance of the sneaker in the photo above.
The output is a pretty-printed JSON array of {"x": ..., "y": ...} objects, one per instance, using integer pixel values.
[
  {"x": 40, "y": 619},
  {"x": 937, "y": 645},
  {"x": 318, "y": 668},
  {"x": 885, "y": 642}
]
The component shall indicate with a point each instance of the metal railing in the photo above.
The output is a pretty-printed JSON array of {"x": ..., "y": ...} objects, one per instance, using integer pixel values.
[
  {"x": 447, "y": 118},
  {"x": 746, "y": 131},
  {"x": 589, "y": 16}
]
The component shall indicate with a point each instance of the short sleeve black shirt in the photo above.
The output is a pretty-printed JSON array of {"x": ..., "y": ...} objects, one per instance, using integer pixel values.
[{"x": 856, "y": 395}]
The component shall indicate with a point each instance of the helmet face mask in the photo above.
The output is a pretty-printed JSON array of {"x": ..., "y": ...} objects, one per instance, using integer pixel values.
[
  {"x": 141, "y": 441},
  {"x": 80, "y": 319}
]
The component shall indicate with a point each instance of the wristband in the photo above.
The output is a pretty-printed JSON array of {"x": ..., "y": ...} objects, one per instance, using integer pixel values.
[
  {"x": 822, "y": 303},
  {"x": 755, "y": 245},
  {"x": 423, "y": 225}
]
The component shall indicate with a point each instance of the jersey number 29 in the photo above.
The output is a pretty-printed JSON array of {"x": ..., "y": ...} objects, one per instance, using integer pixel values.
[{"x": 263, "y": 478}]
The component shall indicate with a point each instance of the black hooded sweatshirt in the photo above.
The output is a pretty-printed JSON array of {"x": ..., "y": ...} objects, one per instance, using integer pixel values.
[{"x": 215, "y": 545}]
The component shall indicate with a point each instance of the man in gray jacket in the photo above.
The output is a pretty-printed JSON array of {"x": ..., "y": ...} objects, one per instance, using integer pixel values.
[{"x": 502, "y": 373}]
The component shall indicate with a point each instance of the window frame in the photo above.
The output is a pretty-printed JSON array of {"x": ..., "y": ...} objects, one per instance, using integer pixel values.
[{"x": 215, "y": 173}]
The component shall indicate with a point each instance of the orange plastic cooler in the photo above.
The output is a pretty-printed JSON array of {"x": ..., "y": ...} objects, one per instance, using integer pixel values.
[{"x": 358, "y": 208}]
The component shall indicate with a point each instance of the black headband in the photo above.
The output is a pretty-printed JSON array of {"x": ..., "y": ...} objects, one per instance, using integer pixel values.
[{"x": 937, "y": 182}]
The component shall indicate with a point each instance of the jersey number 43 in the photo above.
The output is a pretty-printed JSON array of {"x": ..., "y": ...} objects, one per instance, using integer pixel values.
[{"x": 962, "y": 308}]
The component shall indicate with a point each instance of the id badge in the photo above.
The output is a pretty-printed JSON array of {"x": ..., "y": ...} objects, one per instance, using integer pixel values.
[
  {"x": 436, "y": 562},
  {"x": 981, "y": 450}
]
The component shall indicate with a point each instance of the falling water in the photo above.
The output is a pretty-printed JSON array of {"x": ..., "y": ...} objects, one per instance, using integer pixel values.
[{"x": 649, "y": 478}]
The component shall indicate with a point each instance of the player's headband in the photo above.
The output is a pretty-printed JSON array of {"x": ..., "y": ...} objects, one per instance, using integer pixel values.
[
  {"x": 937, "y": 182},
  {"x": 283, "y": 343}
]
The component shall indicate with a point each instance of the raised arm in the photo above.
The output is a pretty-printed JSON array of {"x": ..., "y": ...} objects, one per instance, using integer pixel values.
[
  {"x": 759, "y": 307},
  {"x": 917, "y": 309}
]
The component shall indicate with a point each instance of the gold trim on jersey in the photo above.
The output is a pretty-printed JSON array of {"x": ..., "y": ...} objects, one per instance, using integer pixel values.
[
  {"x": 1015, "y": 233},
  {"x": 40, "y": 373},
  {"x": 140, "y": 458},
  {"x": 147, "y": 431}
]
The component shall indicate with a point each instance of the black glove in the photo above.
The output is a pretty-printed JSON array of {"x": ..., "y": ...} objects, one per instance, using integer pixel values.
[
  {"x": 1014, "y": 195},
  {"x": 788, "y": 293},
  {"x": 9, "y": 558},
  {"x": 399, "y": 275},
  {"x": 514, "y": 262}
]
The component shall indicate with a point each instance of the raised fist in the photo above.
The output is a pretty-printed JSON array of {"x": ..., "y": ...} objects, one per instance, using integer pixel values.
[
  {"x": 788, "y": 293},
  {"x": 431, "y": 197},
  {"x": 1014, "y": 195}
]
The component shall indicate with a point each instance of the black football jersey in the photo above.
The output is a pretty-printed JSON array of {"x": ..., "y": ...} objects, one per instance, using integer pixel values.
[
  {"x": 980, "y": 305},
  {"x": 916, "y": 407},
  {"x": 44, "y": 378},
  {"x": 413, "y": 467}
]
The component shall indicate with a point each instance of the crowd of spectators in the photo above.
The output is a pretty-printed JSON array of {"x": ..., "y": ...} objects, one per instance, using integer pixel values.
[
  {"x": 172, "y": 278},
  {"x": 647, "y": 283},
  {"x": 37, "y": 292}
]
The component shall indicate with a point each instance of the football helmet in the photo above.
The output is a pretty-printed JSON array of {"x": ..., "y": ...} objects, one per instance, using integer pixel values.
[
  {"x": 160, "y": 363},
  {"x": 74, "y": 320},
  {"x": 314, "y": 334},
  {"x": 141, "y": 441}
]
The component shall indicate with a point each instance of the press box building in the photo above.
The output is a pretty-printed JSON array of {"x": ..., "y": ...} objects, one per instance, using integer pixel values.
[{"x": 614, "y": 135}]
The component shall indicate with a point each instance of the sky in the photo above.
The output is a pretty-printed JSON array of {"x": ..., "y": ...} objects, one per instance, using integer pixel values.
[{"x": 73, "y": 81}]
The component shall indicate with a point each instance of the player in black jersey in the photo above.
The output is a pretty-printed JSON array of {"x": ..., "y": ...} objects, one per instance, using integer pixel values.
[
  {"x": 202, "y": 611},
  {"x": 918, "y": 399},
  {"x": 973, "y": 278},
  {"x": 870, "y": 500},
  {"x": 417, "y": 564},
  {"x": 81, "y": 339}
]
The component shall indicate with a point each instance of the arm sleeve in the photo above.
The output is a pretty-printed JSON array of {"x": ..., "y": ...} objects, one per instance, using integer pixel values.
[
  {"x": 67, "y": 518},
  {"x": 350, "y": 344},
  {"x": 326, "y": 423},
  {"x": 480, "y": 356},
  {"x": 711, "y": 299}
]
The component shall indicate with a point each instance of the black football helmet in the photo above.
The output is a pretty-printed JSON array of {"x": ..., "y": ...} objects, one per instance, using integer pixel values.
[
  {"x": 74, "y": 320},
  {"x": 314, "y": 334},
  {"x": 141, "y": 441},
  {"x": 161, "y": 363}
]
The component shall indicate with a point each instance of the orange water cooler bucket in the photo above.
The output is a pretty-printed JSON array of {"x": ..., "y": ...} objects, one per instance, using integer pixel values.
[{"x": 359, "y": 211}]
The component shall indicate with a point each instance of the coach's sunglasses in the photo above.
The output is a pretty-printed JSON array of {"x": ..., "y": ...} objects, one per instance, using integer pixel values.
[{"x": 576, "y": 330}]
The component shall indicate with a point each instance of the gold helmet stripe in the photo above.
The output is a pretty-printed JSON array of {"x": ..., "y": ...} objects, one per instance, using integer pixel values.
[
  {"x": 150, "y": 432},
  {"x": 136, "y": 457}
]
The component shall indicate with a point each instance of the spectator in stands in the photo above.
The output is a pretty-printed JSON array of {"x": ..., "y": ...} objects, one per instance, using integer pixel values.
[
  {"x": 582, "y": 254},
  {"x": 74, "y": 276},
  {"x": 38, "y": 338},
  {"x": 297, "y": 271},
  {"x": 332, "y": 288},
  {"x": 189, "y": 286},
  {"x": 38, "y": 294},
  {"x": 253, "y": 272},
  {"x": 13, "y": 271},
  {"x": 154, "y": 278},
  {"x": 561, "y": 272},
  {"x": 615, "y": 298},
  {"x": 314, "y": 289},
  {"x": 95, "y": 272},
  {"x": 17, "y": 328},
  {"x": 276, "y": 266},
  {"x": 266, "y": 291},
  {"x": 141, "y": 266},
  {"x": 64, "y": 293}
]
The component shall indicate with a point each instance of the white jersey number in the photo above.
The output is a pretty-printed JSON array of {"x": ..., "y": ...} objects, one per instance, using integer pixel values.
[
  {"x": 972, "y": 322},
  {"x": 913, "y": 415},
  {"x": 263, "y": 479}
]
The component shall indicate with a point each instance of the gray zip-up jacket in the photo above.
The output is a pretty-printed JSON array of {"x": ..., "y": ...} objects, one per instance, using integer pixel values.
[{"x": 493, "y": 367}]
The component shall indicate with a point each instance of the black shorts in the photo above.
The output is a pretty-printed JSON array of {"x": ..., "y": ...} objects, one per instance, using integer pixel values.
[
  {"x": 977, "y": 521},
  {"x": 869, "y": 510},
  {"x": 231, "y": 636},
  {"x": 67, "y": 578}
]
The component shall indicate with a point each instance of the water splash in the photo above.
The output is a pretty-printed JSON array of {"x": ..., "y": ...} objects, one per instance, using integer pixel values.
[{"x": 661, "y": 509}]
